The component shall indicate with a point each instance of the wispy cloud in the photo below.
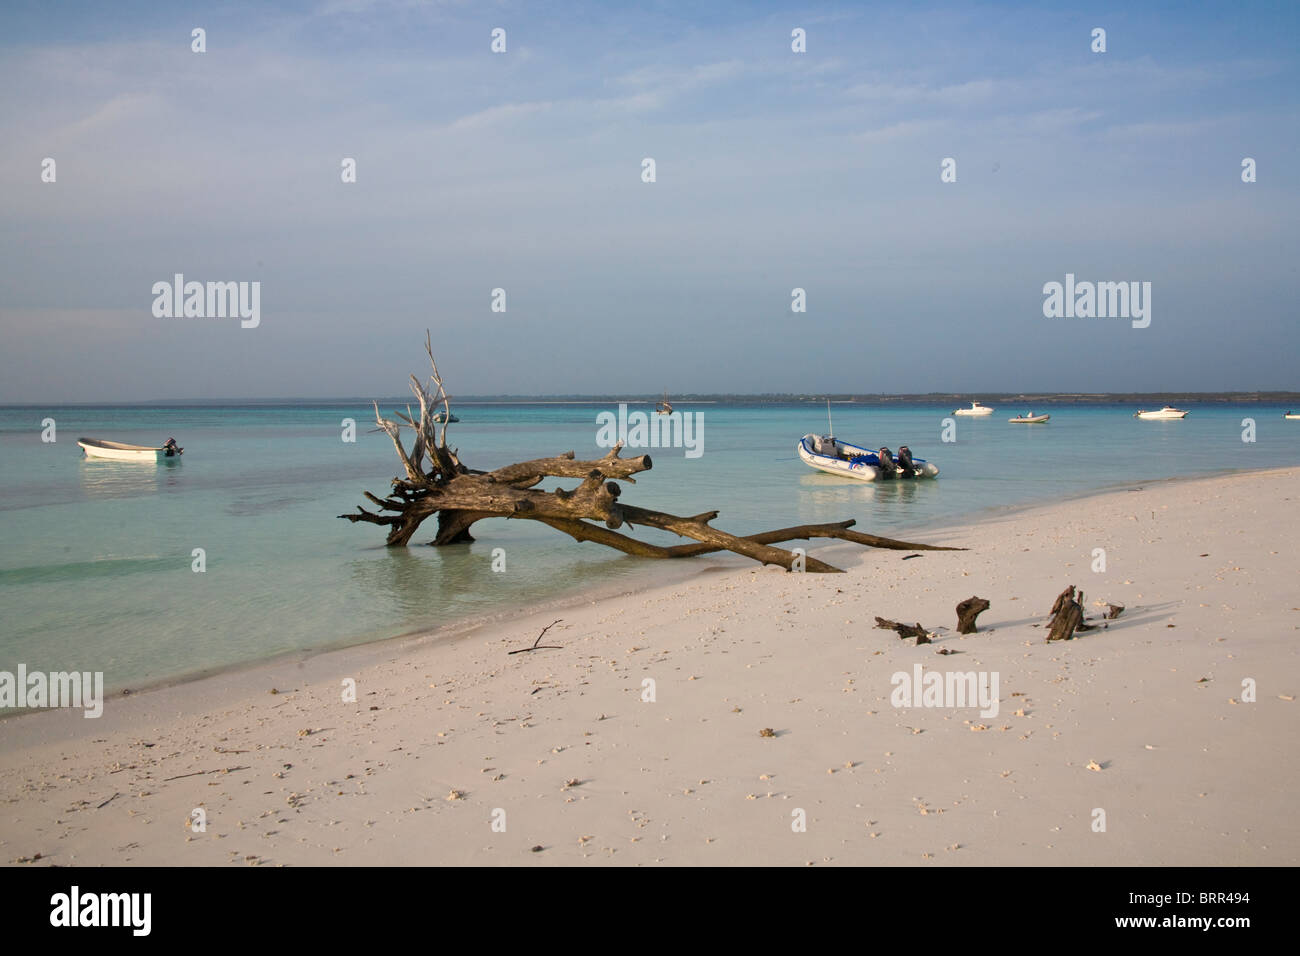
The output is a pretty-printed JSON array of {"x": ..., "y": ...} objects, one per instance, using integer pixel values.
[
  {"x": 494, "y": 115},
  {"x": 895, "y": 132},
  {"x": 678, "y": 79},
  {"x": 953, "y": 94},
  {"x": 1180, "y": 129}
]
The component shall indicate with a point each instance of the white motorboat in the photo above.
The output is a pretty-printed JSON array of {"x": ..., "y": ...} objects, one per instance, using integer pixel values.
[
  {"x": 835, "y": 457},
  {"x": 976, "y": 409},
  {"x": 118, "y": 451},
  {"x": 1029, "y": 418},
  {"x": 1291, "y": 416},
  {"x": 1166, "y": 414}
]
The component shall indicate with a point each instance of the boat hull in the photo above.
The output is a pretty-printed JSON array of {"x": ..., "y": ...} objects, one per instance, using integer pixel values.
[
  {"x": 1161, "y": 416},
  {"x": 117, "y": 451},
  {"x": 861, "y": 471},
  {"x": 1035, "y": 420}
]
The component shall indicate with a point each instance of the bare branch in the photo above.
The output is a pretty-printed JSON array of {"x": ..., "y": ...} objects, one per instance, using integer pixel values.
[{"x": 394, "y": 432}]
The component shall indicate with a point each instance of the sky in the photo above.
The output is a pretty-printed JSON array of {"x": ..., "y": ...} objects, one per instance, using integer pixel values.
[{"x": 523, "y": 171}]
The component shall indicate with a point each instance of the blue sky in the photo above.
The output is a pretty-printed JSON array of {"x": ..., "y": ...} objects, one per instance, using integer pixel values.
[{"x": 522, "y": 171}]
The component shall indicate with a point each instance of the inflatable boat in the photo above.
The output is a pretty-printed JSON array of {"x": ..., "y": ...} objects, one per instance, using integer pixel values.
[{"x": 836, "y": 457}]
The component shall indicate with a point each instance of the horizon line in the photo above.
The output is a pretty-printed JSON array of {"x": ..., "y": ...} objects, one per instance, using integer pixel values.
[{"x": 706, "y": 398}]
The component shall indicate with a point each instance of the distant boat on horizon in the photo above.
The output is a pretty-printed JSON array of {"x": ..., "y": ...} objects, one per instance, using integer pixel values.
[
  {"x": 1029, "y": 418},
  {"x": 1166, "y": 414},
  {"x": 975, "y": 410},
  {"x": 664, "y": 407}
]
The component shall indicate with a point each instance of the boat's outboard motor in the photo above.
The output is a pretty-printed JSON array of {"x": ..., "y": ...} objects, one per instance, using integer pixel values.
[
  {"x": 886, "y": 468},
  {"x": 908, "y": 469},
  {"x": 172, "y": 448}
]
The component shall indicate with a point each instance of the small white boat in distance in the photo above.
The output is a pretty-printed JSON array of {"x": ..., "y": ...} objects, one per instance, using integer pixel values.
[
  {"x": 1292, "y": 416},
  {"x": 975, "y": 409},
  {"x": 1166, "y": 414},
  {"x": 117, "y": 451},
  {"x": 836, "y": 457},
  {"x": 1029, "y": 418}
]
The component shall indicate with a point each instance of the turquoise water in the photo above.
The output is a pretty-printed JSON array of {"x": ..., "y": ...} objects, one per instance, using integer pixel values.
[{"x": 96, "y": 557}]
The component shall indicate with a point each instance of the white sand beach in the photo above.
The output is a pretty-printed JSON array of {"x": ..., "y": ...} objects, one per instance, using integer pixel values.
[{"x": 1147, "y": 720}]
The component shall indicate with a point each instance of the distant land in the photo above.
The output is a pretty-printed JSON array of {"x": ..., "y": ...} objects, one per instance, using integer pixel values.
[
  {"x": 928, "y": 398},
  {"x": 955, "y": 399}
]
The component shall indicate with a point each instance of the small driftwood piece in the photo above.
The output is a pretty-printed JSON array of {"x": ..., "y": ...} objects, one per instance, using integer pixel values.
[
  {"x": 905, "y": 630},
  {"x": 1113, "y": 611},
  {"x": 199, "y": 773},
  {"x": 1067, "y": 616},
  {"x": 538, "y": 646},
  {"x": 967, "y": 611},
  {"x": 434, "y": 482}
]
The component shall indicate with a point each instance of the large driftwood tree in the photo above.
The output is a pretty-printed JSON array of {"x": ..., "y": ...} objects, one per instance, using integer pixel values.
[{"x": 436, "y": 482}]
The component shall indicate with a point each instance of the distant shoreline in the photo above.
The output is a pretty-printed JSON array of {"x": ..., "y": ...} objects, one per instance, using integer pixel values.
[{"x": 926, "y": 398}]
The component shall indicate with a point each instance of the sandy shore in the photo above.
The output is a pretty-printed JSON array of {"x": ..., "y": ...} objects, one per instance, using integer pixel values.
[{"x": 461, "y": 753}]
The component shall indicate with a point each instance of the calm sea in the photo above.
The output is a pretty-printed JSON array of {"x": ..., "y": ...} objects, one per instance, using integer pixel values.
[{"x": 96, "y": 557}]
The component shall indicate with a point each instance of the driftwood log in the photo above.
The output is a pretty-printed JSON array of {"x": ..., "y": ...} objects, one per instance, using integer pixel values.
[
  {"x": 435, "y": 482},
  {"x": 905, "y": 630},
  {"x": 967, "y": 611},
  {"x": 1067, "y": 616}
]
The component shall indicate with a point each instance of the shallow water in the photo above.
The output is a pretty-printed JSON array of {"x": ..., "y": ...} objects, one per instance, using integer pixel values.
[{"x": 96, "y": 557}]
